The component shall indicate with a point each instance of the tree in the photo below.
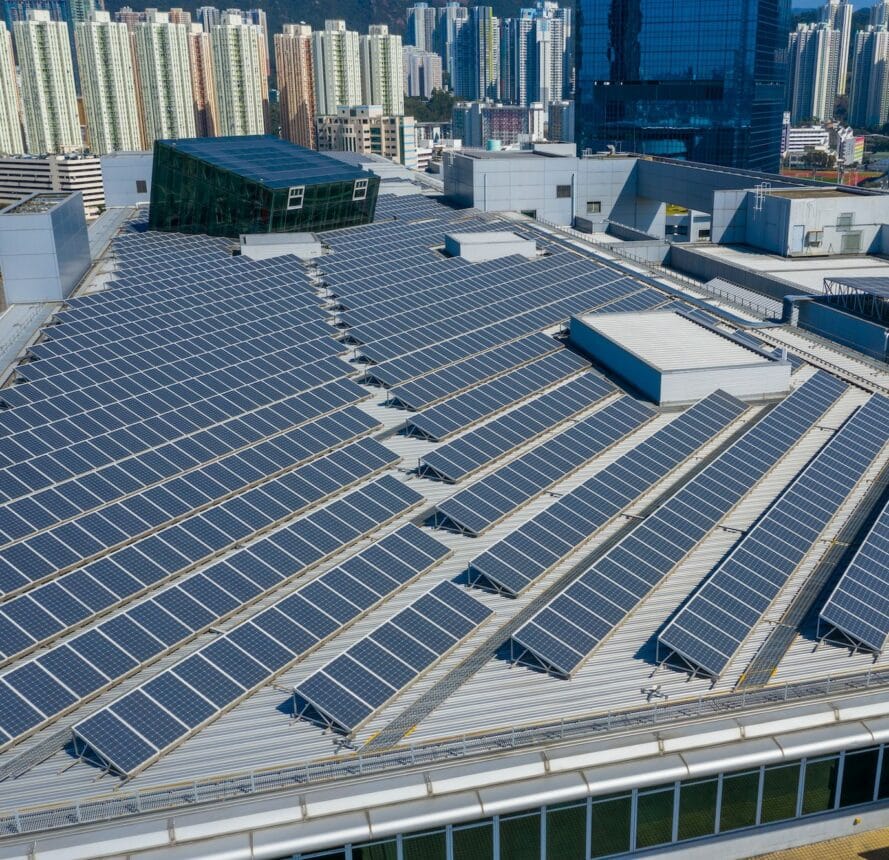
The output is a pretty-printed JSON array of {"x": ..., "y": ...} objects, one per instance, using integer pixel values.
[{"x": 437, "y": 109}]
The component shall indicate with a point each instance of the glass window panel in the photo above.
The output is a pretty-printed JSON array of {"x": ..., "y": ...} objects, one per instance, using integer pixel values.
[
  {"x": 427, "y": 846},
  {"x": 697, "y": 809},
  {"x": 566, "y": 833},
  {"x": 611, "y": 826},
  {"x": 654, "y": 818},
  {"x": 883, "y": 790},
  {"x": 738, "y": 807},
  {"x": 520, "y": 837},
  {"x": 377, "y": 851},
  {"x": 820, "y": 786},
  {"x": 779, "y": 791},
  {"x": 474, "y": 843},
  {"x": 859, "y": 773}
]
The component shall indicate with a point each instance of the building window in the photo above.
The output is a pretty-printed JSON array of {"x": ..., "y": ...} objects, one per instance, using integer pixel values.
[
  {"x": 360, "y": 191},
  {"x": 563, "y": 191},
  {"x": 593, "y": 207},
  {"x": 141, "y": 186},
  {"x": 295, "y": 197},
  {"x": 845, "y": 220}
]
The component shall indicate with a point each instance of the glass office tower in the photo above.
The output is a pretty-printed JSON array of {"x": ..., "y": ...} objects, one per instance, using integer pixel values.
[{"x": 701, "y": 80}]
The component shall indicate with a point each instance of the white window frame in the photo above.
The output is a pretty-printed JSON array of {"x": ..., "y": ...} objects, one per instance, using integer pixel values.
[
  {"x": 295, "y": 196},
  {"x": 359, "y": 192}
]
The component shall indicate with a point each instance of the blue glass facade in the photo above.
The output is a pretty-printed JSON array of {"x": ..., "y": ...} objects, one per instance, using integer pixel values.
[{"x": 693, "y": 79}]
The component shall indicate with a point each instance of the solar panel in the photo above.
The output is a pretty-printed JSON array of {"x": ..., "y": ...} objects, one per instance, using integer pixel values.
[
  {"x": 350, "y": 688},
  {"x": 711, "y": 627},
  {"x": 199, "y": 688},
  {"x": 489, "y": 499},
  {"x": 515, "y": 562},
  {"x": 857, "y": 610},
  {"x": 454, "y": 461},
  {"x": 456, "y": 413},
  {"x": 562, "y": 635}
]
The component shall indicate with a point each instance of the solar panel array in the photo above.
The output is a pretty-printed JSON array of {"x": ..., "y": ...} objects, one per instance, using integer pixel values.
[
  {"x": 143, "y": 723},
  {"x": 562, "y": 635},
  {"x": 40, "y": 689},
  {"x": 858, "y": 607},
  {"x": 348, "y": 689},
  {"x": 455, "y": 460},
  {"x": 482, "y": 401},
  {"x": 77, "y": 596},
  {"x": 512, "y": 564},
  {"x": 470, "y": 372},
  {"x": 712, "y": 626},
  {"x": 489, "y": 499}
]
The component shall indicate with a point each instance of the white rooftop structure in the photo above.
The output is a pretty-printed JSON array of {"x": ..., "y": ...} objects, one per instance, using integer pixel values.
[{"x": 674, "y": 359}]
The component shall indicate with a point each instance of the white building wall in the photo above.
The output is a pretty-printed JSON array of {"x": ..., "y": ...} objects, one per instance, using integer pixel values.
[
  {"x": 165, "y": 79},
  {"x": 241, "y": 87},
  {"x": 382, "y": 70},
  {"x": 11, "y": 139},
  {"x": 108, "y": 82},
  {"x": 47, "y": 77},
  {"x": 337, "y": 68}
]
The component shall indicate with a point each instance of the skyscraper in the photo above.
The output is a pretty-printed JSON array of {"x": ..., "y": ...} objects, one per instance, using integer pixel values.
[
  {"x": 337, "y": 68},
  {"x": 200, "y": 56},
  {"x": 296, "y": 84},
  {"x": 108, "y": 81},
  {"x": 451, "y": 18},
  {"x": 162, "y": 61},
  {"x": 532, "y": 53},
  {"x": 869, "y": 92},
  {"x": 47, "y": 72},
  {"x": 420, "y": 29},
  {"x": 838, "y": 13},
  {"x": 698, "y": 80},
  {"x": 11, "y": 141},
  {"x": 382, "y": 70},
  {"x": 813, "y": 56},
  {"x": 238, "y": 71},
  {"x": 477, "y": 65}
]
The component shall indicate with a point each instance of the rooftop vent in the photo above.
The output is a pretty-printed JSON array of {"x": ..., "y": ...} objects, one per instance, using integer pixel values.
[{"x": 478, "y": 247}]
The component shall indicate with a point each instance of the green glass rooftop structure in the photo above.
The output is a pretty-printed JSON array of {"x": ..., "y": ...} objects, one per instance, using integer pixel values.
[{"x": 226, "y": 186}]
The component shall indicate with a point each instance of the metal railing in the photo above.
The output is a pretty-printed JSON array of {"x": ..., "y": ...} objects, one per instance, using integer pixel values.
[{"x": 123, "y": 804}]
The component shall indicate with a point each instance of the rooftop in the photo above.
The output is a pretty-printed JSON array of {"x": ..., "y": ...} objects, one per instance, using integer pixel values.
[
  {"x": 671, "y": 341},
  {"x": 284, "y": 515},
  {"x": 266, "y": 159},
  {"x": 42, "y": 201}
]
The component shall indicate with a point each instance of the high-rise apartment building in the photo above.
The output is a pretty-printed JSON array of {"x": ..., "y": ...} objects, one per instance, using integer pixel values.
[
  {"x": 163, "y": 64},
  {"x": 179, "y": 16},
  {"x": 52, "y": 124},
  {"x": 838, "y": 13},
  {"x": 382, "y": 70},
  {"x": 108, "y": 81},
  {"x": 869, "y": 92},
  {"x": 698, "y": 80},
  {"x": 337, "y": 67},
  {"x": 296, "y": 84},
  {"x": 422, "y": 72},
  {"x": 203, "y": 89},
  {"x": 259, "y": 18},
  {"x": 532, "y": 56},
  {"x": 208, "y": 17},
  {"x": 129, "y": 16},
  {"x": 451, "y": 17},
  {"x": 421, "y": 24},
  {"x": 239, "y": 73},
  {"x": 477, "y": 65},
  {"x": 813, "y": 57},
  {"x": 11, "y": 140}
]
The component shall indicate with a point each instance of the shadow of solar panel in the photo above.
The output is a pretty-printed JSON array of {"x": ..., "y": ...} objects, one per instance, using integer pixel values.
[
  {"x": 351, "y": 687},
  {"x": 618, "y": 581},
  {"x": 516, "y": 561},
  {"x": 711, "y": 627},
  {"x": 489, "y": 499},
  {"x": 201, "y": 687}
]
